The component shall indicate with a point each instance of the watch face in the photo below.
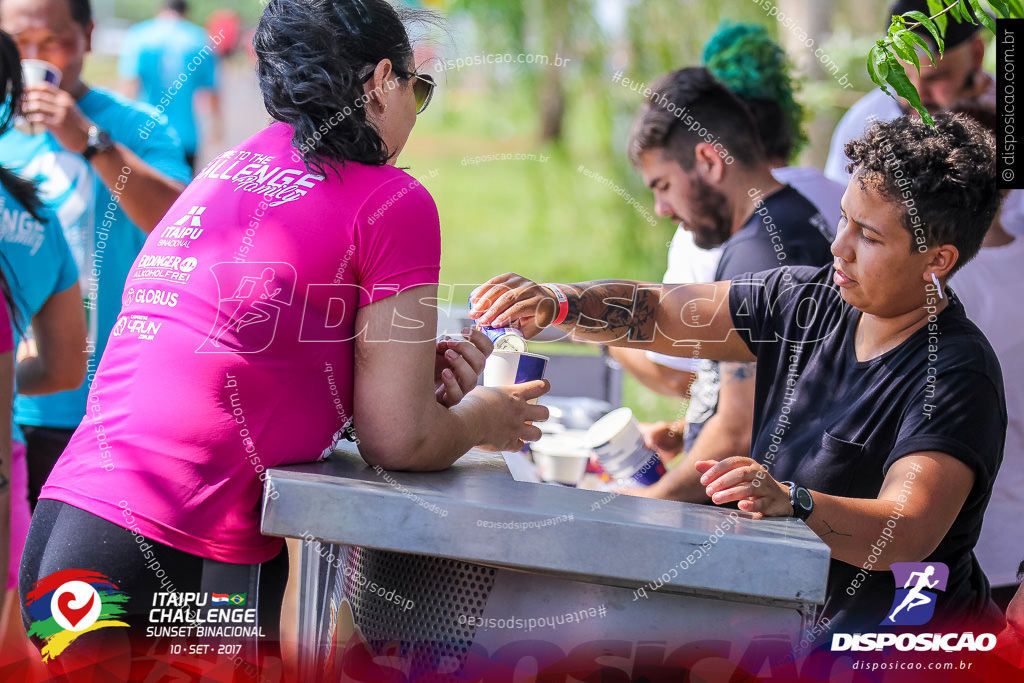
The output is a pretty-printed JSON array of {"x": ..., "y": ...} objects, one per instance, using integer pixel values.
[{"x": 803, "y": 498}]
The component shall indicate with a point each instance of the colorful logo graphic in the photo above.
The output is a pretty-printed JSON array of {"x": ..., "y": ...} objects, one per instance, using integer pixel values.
[
  {"x": 914, "y": 604},
  {"x": 68, "y": 603}
]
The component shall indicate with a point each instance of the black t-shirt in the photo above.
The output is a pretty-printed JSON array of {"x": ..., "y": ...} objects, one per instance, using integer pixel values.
[
  {"x": 785, "y": 229},
  {"x": 833, "y": 424}
]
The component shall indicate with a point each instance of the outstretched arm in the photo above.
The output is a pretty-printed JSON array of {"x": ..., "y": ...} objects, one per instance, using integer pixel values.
[
  {"x": 855, "y": 528},
  {"x": 682, "y": 320}
]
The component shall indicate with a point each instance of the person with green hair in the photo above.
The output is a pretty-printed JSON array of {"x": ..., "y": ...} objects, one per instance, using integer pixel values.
[{"x": 745, "y": 59}]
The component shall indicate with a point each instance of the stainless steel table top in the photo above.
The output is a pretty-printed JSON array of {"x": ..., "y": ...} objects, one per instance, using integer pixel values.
[{"x": 475, "y": 512}]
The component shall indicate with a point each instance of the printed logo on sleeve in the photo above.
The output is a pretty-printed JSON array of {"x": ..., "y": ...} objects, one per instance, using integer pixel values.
[
  {"x": 136, "y": 325},
  {"x": 149, "y": 295},
  {"x": 164, "y": 267},
  {"x": 184, "y": 230}
]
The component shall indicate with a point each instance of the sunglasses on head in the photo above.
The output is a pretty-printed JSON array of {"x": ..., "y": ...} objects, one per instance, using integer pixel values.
[{"x": 422, "y": 87}]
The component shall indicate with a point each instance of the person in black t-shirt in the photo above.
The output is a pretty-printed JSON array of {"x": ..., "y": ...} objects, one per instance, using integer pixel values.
[
  {"x": 725, "y": 195},
  {"x": 880, "y": 413}
]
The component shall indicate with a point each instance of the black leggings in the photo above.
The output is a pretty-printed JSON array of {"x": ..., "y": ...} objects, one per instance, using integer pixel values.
[
  {"x": 43, "y": 446},
  {"x": 64, "y": 537}
]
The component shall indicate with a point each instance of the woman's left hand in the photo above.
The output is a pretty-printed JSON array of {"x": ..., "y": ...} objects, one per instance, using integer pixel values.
[
  {"x": 457, "y": 365},
  {"x": 744, "y": 480}
]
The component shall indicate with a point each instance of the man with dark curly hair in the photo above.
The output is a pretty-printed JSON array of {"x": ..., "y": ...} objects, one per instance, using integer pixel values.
[{"x": 879, "y": 413}]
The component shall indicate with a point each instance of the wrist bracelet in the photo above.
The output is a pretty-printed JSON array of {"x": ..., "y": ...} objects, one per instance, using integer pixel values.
[{"x": 563, "y": 303}]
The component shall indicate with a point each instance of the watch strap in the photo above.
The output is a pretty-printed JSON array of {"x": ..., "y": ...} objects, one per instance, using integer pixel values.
[
  {"x": 799, "y": 511},
  {"x": 99, "y": 141}
]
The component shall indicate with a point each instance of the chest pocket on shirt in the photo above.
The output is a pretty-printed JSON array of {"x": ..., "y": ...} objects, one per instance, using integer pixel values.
[{"x": 833, "y": 468}]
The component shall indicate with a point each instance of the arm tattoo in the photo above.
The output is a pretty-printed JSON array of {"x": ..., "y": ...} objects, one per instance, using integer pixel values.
[
  {"x": 833, "y": 531},
  {"x": 610, "y": 311},
  {"x": 738, "y": 372}
]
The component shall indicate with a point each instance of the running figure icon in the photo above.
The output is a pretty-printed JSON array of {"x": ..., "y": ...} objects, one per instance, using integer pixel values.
[
  {"x": 915, "y": 598},
  {"x": 249, "y": 307}
]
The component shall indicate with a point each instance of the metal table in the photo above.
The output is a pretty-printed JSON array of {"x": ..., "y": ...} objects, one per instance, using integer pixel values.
[{"x": 443, "y": 570}]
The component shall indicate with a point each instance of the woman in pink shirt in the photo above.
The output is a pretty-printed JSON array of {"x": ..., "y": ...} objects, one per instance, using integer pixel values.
[{"x": 283, "y": 302}]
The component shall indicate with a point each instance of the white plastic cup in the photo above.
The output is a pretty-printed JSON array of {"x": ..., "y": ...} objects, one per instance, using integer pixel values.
[
  {"x": 504, "y": 368},
  {"x": 36, "y": 71},
  {"x": 561, "y": 459},
  {"x": 619, "y": 445}
]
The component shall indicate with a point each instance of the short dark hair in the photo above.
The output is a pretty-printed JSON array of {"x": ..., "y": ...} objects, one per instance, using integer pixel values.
[
  {"x": 312, "y": 56},
  {"x": 179, "y": 6},
  {"x": 945, "y": 176},
  {"x": 81, "y": 11},
  {"x": 684, "y": 103}
]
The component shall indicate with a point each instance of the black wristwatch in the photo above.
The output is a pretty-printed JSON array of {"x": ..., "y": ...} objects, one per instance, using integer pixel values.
[
  {"x": 801, "y": 500},
  {"x": 98, "y": 141}
]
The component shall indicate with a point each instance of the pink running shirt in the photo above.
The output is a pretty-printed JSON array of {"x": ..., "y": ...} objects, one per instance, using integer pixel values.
[{"x": 233, "y": 351}]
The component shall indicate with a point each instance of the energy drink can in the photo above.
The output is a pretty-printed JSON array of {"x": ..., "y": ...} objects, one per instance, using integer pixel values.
[{"x": 506, "y": 338}]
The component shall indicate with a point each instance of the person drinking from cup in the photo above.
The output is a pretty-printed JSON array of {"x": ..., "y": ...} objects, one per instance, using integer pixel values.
[
  {"x": 284, "y": 301},
  {"x": 880, "y": 414}
]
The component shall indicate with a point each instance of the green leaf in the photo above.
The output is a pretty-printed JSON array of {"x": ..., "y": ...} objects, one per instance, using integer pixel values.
[
  {"x": 934, "y": 8},
  {"x": 897, "y": 78},
  {"x": 924, "y": 46},
  {"x": 983, "y": 16},
  {"x": 965, "y": 13},
  {"x": 927, "y": 22},
  {"x": 958, "y": 7},
  {"x": 1000, "y": 7},
  {"x": 878, "y": 67},
  {"x": 905, "y": 48}
]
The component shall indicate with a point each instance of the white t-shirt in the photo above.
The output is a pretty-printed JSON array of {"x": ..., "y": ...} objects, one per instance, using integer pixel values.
[
  {"x": 687, "y": 263},
  {"x": 853, "y": 124},
  {"x": 990, "y": 288},
  {"x": 824, "y": 193}
]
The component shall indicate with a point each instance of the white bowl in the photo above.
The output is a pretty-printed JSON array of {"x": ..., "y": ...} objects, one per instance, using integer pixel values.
[{"x": 561, "y": 458}]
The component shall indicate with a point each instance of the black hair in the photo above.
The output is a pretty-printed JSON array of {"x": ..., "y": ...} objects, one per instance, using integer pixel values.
[
  {"x": 772, "y": 127},
  {"x": 682, "y": 105},
  {"x": 81, "y": 12},
  {"x": 312, "y": 59},
  {"x": 22, "y": 190},
  {"x": 179, "y": 6},
  {"x": 7, "y": 298},
  {"x": 945, "y": 176}
]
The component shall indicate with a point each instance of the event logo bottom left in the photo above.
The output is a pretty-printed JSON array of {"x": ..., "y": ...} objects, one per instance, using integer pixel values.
[{"x": 69, "y": 603}]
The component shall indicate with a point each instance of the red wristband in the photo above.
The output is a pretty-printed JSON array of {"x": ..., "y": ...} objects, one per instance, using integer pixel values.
[{"x": 563, "y": 303}]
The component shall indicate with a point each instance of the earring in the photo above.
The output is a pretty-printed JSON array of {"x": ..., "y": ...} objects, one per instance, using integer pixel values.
[
  {"x": 385, "y": 108},
  {"x": 935, "y": 281}
]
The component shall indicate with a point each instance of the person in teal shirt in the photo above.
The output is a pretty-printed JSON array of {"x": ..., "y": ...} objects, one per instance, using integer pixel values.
[
  {"x": 165, "y": 62},
  {"x": 109, "y": 169},
  {"x": 40, "y": 284}
]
